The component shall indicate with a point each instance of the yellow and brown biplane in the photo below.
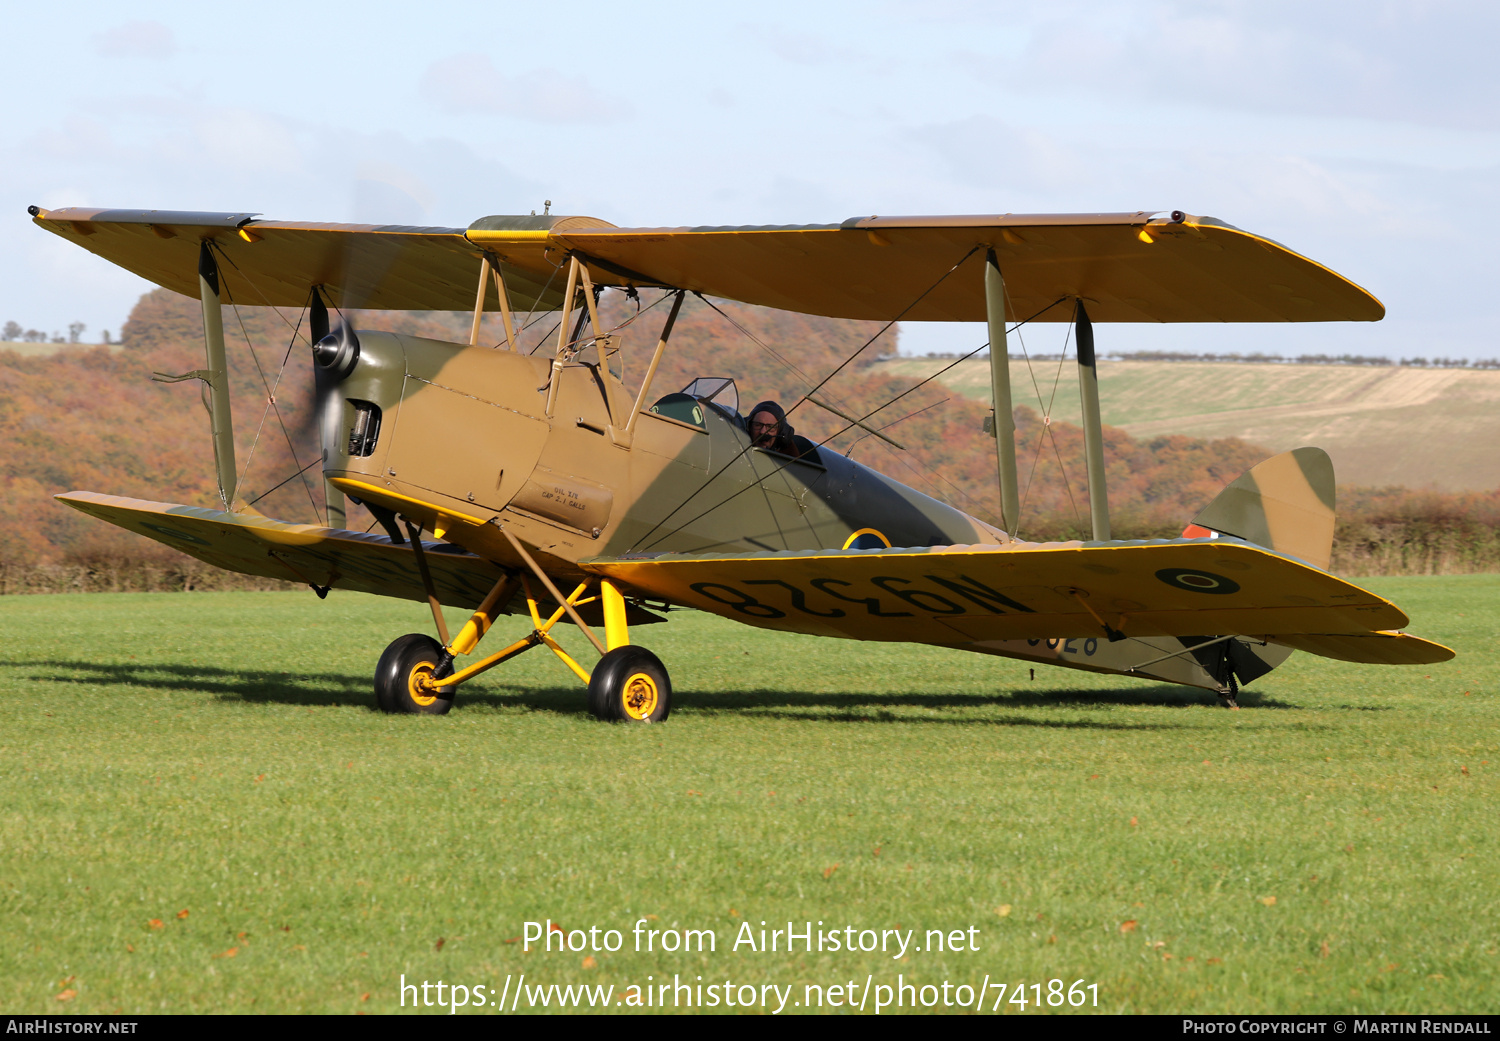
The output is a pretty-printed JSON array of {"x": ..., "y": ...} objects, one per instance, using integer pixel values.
[{"x": 552, "y": 492}]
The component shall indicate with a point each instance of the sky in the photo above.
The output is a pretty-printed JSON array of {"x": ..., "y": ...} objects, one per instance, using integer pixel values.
[{"x": 1365, "y": 135}]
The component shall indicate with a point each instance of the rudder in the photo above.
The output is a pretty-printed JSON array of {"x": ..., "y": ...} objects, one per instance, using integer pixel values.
[{"x": 1285, "y": 503}]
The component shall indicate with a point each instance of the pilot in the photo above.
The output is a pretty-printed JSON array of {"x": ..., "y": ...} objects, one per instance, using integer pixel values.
[{"x": 769, "y": 429}]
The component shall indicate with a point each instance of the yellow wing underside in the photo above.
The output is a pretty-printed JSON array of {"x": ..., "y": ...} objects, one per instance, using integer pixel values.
[{"x": 962, "y": 595}]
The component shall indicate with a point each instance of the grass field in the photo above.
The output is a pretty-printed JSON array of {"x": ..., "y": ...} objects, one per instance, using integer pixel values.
[
  {"x": 1382, "y": 425},
  {"x": 202, "y": 813}
]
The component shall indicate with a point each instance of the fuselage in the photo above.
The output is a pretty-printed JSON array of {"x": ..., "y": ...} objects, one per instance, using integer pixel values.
[{"x": 462, "y": 438}]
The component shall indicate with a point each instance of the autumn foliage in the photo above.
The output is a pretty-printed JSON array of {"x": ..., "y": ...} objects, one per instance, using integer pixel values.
[{"x": 93, "y": 419}]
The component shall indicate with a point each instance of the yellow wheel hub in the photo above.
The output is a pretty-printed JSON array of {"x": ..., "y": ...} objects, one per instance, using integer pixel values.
[
  {"x": 641, "y": 696},
  {"x": 419, "y": 683}
]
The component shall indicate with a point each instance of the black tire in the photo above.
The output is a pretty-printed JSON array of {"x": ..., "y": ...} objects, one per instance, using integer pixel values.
[
  {"x": 395, "y": 689},
  {"x": 630, "y": 685}
]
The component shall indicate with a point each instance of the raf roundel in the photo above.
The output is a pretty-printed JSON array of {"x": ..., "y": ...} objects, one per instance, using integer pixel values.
[{"x": 1197, "y": 581}]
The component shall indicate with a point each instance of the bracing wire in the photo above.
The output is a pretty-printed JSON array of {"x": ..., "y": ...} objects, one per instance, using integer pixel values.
[
  {"x": 903, "y": 419},
  {"x": 945, "y": 368},
  {"x": 920, "y": 297},
  {"x": 790, "y": 366},
  {"x": 294, "y": 476},
  {"x": 838, "y": 433},
  {"x": 296, "y": 329},
  {"x": 270, "y": 389},
  {"x": 1047, "y": 433}
]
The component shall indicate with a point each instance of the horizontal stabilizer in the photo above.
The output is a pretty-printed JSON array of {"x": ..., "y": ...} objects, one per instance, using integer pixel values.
[
  {"x": 1192, "y": 661},
  {"x": 1370, "y": 648}
]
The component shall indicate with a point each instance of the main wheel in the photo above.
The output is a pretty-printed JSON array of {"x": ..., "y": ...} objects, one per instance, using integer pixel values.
[
  {"x": 403, "y": 678},
  {"x": 630, "y": 685}
]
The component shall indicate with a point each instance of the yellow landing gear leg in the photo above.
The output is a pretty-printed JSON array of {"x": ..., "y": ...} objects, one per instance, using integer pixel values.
[
  {"x": 629, "y": 684},
  {"x": 616, "y": 632},
  {"x": 413, "y": 674},
  {"x": 541, "y": 634}
]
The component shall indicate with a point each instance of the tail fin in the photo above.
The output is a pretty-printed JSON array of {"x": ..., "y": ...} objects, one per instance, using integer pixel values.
[{"x": 1285, "y": 503}]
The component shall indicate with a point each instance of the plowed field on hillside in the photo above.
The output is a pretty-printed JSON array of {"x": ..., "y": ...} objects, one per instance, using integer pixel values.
[{"x": 1421, "y": 428}]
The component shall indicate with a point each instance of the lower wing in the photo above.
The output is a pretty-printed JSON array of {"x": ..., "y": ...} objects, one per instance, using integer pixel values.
[
  {"x": 967, "y": 595},
  {"x": 254, "y": 545},
  {"x": 251, "y": 544}
]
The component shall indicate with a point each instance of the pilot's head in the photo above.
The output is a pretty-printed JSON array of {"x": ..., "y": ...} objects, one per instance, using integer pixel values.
[
  {"x": 764, "y": 426},
  {"x": 769, "y": 428}
]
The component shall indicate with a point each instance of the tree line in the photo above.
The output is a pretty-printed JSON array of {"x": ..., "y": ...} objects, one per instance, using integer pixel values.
[
  {"x": 12, "y": 332},
  {"x": 1259, "y": 358}
]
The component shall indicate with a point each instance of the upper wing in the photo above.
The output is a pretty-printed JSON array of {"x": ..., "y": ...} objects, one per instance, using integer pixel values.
[
  {"x": 963, "y": 594},
  {"x": 254, "y": 545},
  {"x": 1128, "y": 267},
  {"x": 385, "y": 267}
]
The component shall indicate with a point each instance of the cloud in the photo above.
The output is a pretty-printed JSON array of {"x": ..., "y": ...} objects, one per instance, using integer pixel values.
[
  {"x": 984, "y": 152},
  {"x": 471, "y": 83},
  {"x": 388, "y": 193},
  {"x": 1427, "y": 63},
  {"x": 78, "y": 139},
  {"x": 136, "y": 40},
  {"x": 800, "y": 49},
  {"x": 248, "y": 142}
]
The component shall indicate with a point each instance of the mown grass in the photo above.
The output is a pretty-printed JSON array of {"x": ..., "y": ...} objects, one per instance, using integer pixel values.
[{"x": 217, "y": 753}]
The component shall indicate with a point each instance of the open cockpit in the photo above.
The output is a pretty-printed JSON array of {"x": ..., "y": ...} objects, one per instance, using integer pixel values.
[{"x": 719, "y": 395}]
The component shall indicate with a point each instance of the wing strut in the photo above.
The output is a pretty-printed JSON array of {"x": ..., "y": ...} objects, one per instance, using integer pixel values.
[
  {"x": 563, "y": 342},
  {"x": 487, "y": 267},
  {"x": 1004, "y": 426},
  {"x": 661, "y": 346},
  {"x": 484, "y": 284},
  {"x": 1093, "y": 428},
  {"x": 218, "y": 373}
]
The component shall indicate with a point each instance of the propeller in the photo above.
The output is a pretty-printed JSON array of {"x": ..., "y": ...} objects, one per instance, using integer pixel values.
[{"x": 335, "y": 353}]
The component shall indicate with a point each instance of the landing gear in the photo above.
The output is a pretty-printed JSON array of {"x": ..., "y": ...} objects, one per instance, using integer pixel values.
[
  {"x": 1230, "y": 698},
  {"x": 416, "y": 673},
  {"x": 630, "y": 685},
  {"x": 404, "y": 679}
]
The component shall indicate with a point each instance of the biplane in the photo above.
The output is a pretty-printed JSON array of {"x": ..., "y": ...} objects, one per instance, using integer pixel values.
[{"x": 534, "y": 483}]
